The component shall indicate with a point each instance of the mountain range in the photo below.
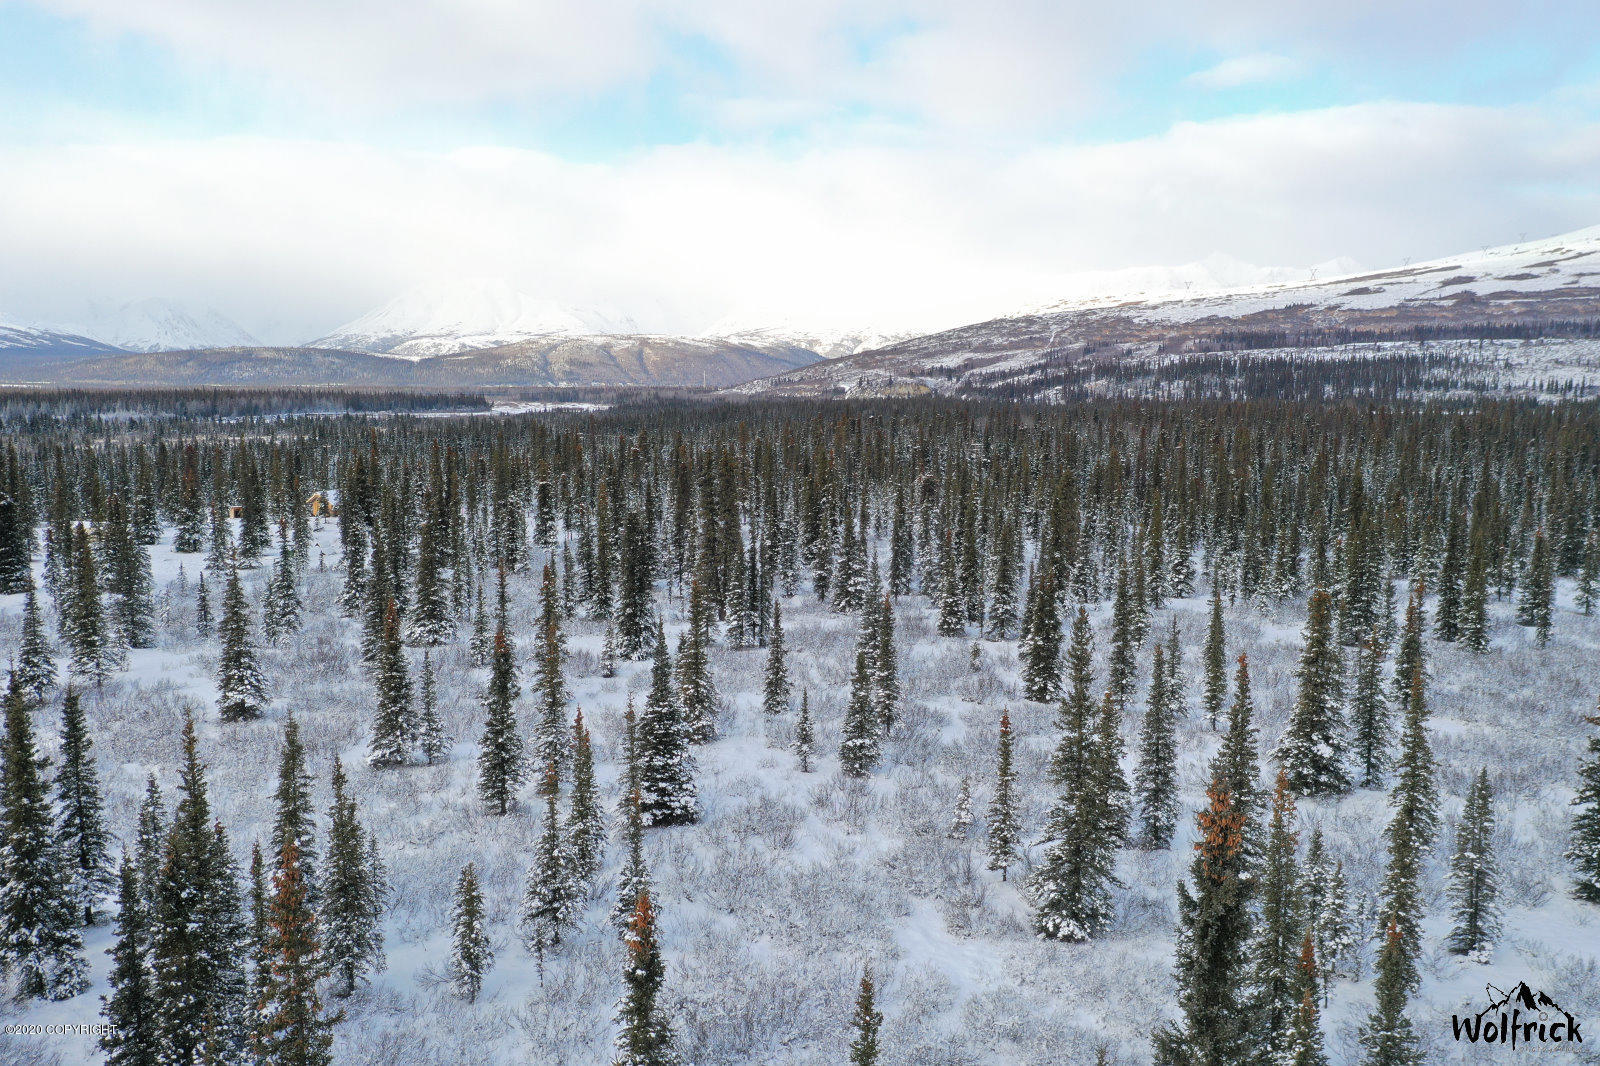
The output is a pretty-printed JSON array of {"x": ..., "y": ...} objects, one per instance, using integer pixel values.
[{"x": 484, "y": 332}]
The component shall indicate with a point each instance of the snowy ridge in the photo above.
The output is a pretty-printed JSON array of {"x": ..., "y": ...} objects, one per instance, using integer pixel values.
[
  {"x": 159, "y": 325},
  {"x": 459, "y": 316}
]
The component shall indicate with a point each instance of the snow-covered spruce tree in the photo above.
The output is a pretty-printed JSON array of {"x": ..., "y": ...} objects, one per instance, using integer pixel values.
[
  {"x": 1213, "y": 931},
  {"x": 430, "y": 623},
  {"x": 353, "y": 895},
  {"x": 1040, "y": 647},
  {"x": 961, "y": 818},
  {"x": 480, "y": 646},
  {"x": 1122, "y": 663},
  {"x": 293, "y": 821},
  {"x": 1238, "y": 764},
  {"x": 804, "y": 737},
  {"x": 1311, "y": 750},
  {"x": 885, "y": 664},
  {"x": 550, "y": 901},
  {"x": 860, "y": 748},
  {"x": 202, "y": 608},
  {"x": 430, "y": 738},
  {"x": 1369, "y": 715},
  {"x": 634, "y": 877},
  {"x": 952, "y": 605},
  {"x": 550, "y": 682},
  {"x": 393, "y": 727},
  {"x": 471, "y": 953},
  {"x": 79, "y": 810},
  {"x": 1004, "y": 832},
  {"x": 500, "y": 756},
  {"x": 696, "y": 691},
  {"x": 1327, "y": 912},
  {"x": 290, "y": 1026},
  {"x": 149, "y": 839},
  {"x": 586, "y": 827},
  {"x": 1447, "y": 615},
  {"x": 1474, "y": 880},
  {"x": 35, "y": 670},
  {"x": 866, "y": 1021},
  {"x": 1304, "y": 1044},
  {"x": 241, "y": 687},
  {"x": 633, "y": 607},
  {"x": 95, "y": 652},
  {"x": 1156, "y": 775},
  {"x": 130, "y": 1039},
  {"x": 190, "y": 513},
  {"x": 1535, "y": 606},
  {"x": 1411, "y": 831},
  {"x": 775, "y": 691},
  {"x": 1388, "y": 1038},
  {"x": 199, "y": 937},
  {"x": 1475, "y": 595},
  {"x": 645, "y": 1037},
  {"x": 280, "y": 615},
  {"x": 666, "y": 763},
  {"x": 1072, "y": 887},
  {"x": 1583, "y": 849},
  {"x": 1216, "y": 660},
  {"x": 1003, "y": 585},
  {"x": 1409, "y": 656},
  {"x": 127, "y": 578},
  {"x": 1275, "y": 949},
  {"x": 39, "y": 905}
]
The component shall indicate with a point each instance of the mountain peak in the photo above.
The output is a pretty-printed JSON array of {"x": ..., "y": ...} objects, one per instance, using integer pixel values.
[
  {"x": 160, "y": 325},
  {"x": 443, "y": 318}
]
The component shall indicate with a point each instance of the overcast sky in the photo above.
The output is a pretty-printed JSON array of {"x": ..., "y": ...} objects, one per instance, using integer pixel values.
[{"x": 294, "y": 162}]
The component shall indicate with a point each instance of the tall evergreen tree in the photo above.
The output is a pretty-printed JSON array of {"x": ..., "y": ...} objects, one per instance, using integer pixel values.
[
  {"x": 634, "y": 877},
  {"x": 1156, "y": 776},
  {"x": 39, "y": 905},
  {"x": 500, "y": 755},
  {"x": 353, "y": 895},
  {"x": 1369, "y": 714},
  {"x": 585, "y": 820},
  {"x": 1475, "y": 596},
  {"x": 1311, "y": 751},
  {"x": 1216, "y": 661},
  {"x": 696, "y": 691},
  {"x": 1535, "y": 607},
  {"x": 550, "y": 902},
  {"x": 804, "y": 738},
  {"x": 95, "y": 652},
  {"x": 1304, "y": 1046},
  {"x": 1411, "y": 830},
  {"x": 550, "y": 725},
  {"x": 1237, "y": 762},
  {"x": 1583, "y": 848},
  {"x": 429, "y": 623},
  {"x": 281, "y": 613},
  {"x": 861, "y": 747},
  {"x": 130, "y": 1037},
  {"x": 241, "y": 687},
  {"x": 471, "y": 952},
  {"x": 885, "y": 663},
  {"x": 1409, "y": 657},
  {"x": 127, "y": 574},
  {"x": 646, "y": 1037},
  {"x": 1040, "y": 648},
  {"x": 1004, "y": 832},
  {"x": 775, "y": 692},
  {"x": 1388, "y": 1037},
  {"x": 1474, "y": 880},
  {"x": 1275, "y": 950},
  {"x": 666, "y": 763},
  {"x": 430, "y": 738},
  {"x": 79, "y": 810},
  {"x": 293, "y": 821},
  {"x": 866, "y": 1021},
  {"x": 290, "y": 1026},
  {"x": 35, "y": 669}
]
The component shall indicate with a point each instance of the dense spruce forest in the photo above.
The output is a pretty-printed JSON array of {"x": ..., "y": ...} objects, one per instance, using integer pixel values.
[{"x": 1196, "y": 731}]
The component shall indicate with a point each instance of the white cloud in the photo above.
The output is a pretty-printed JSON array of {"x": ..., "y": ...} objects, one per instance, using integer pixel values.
[
  {"x": 1253, "y": 69},
  {"x": 293, "y": 237}
]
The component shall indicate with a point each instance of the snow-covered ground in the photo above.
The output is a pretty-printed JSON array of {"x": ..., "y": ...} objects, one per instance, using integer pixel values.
[{"x": 791, "y": 882}]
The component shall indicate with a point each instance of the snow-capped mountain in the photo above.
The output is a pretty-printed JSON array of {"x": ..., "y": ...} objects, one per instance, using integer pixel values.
[
  {"x": 23, "y": 345},
  {"x": 460, "y": 316},
  {"x": 776, "y": 331},
  {"x": 1536, "y": 289},
  {"x": 158, "y": 325}
]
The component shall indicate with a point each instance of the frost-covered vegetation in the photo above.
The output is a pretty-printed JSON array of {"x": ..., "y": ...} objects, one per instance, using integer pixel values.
[{"x": 1398, "y": 587}]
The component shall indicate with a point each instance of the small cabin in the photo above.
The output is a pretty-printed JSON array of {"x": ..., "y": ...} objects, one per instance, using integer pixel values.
[
  {"x": 235, "y": 510},
  {"x": 317, "y": 505}
]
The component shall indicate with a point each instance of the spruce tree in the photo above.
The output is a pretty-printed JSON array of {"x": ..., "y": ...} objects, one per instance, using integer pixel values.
[
  {"x": 860, "y": 748},
  {"x": 290, "y": 1026},
  {"x": 1475, "y": 597},
  {"x": 1275, "y": 950},
  {"x": 1474, "y": 880},
  {"x": 585, "y": 820},
  {"x": 293, "y": 821},
  {"x": 550, "y": 723},
  {"x": 1583, "y": 848},
  {"x": 1237, "y": 762},
  {"x": 95, "y": 653},
  {"x": 130, "y": 1039},
  {"x": 866, "y": 1021},
  {"x": 1304, "y": 1046},
  {"x": 804, "y": 738},
  {"x": 149, "y": 840},
  {"x": 696, "y": 692},
  {"x": 1409, "y": 657},
  {"x": 1369, "y": 715},
  {"x": 775, "y": 693},
  {"x": 1213, "y": 931},
  {"x": 1311, "y": 751},
  {"x": 1040, "y": 648},
  {"x": 471, "y": 953},
  {"x": 35, "y": 669},
  {"x": 645, "y": 1037},
  {"x": 127, "y": 577},
  {"x": 1388, "y": 1038},
  {"x": 202, "y": 608},
  {"x": 79, "y": 810},
  {"x": 666, "y": 764},
  {"x": 1411, "y": 831},
  {"x": 1156, "y": 776},
  {"x": 1535, "y": 607},
  {"x": 1216, "y": 663},
  {"x": 241, "y": 687},
  {"x": 885, "y": 664},
  {"x": 634, "y": 877},
  {"x": 430, "y": 738},
  {"x": 550, "y": 902},
  {"x": 500, "y": 754},
  {"x": 39, "y": 906},
  {"x": 353, "y": 894},
  {"x": 1122, "y": 665},
  {"x": 429, "y": 622},
  {"x": 1004, "y": 832},
  {"x": 281, "y": 613},
  {"x": 961, "y": 815}
]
